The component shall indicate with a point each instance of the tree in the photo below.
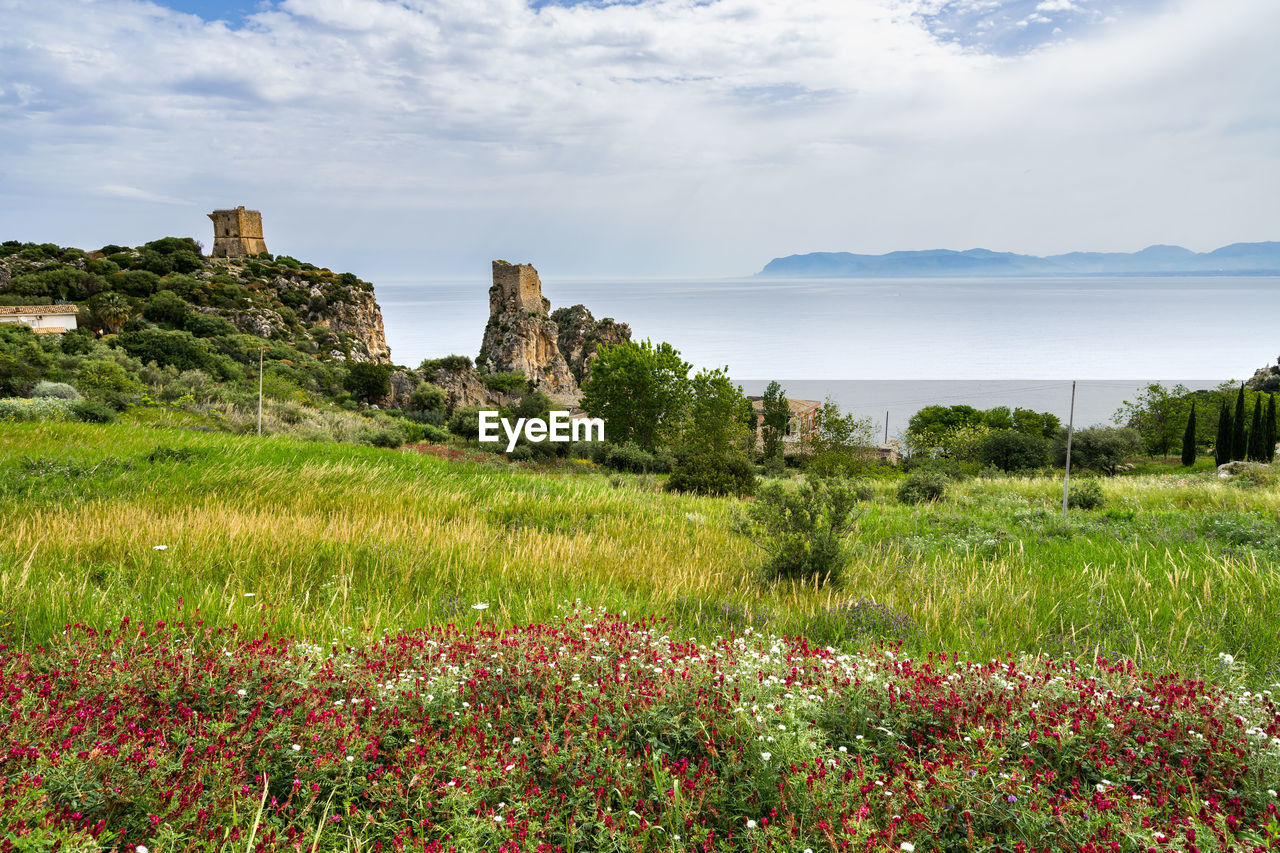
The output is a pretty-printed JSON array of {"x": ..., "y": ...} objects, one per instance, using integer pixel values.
[
  {"x": 1189, "y": 439},
  {"x": 1271, "y": 427},
  {"x": 1238, "y": 448},
  {"x": 112, "y": 309},
  {"x": 1099, "y": 448},
  {"x": 1257, "y": 441},
  {"x": 715, "y": 414},
  {"x": 640, "y": 390},
  {"x": 22, "y": 361},
  {"x": 1222, "y": 443},
  {"x": 368, "y": 381},
  {"x": 840, "y": 444},
  {"x": 934, "y": 428},
  {"x": 776, "y": 413},
  {"x": 1010, "y": 450},
  {"x": 1158, "y": 415},
  {"x": 1044, "y": 424}
]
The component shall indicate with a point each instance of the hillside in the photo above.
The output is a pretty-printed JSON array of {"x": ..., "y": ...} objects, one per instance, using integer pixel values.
[{"x": 1236, "y": 259}]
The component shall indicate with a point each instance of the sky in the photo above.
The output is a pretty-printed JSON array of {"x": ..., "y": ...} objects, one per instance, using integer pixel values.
[{"x": 422, "y": 139}]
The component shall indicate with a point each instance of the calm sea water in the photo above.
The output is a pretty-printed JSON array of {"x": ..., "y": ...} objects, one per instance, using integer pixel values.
[{"x": 899, "y": 344}]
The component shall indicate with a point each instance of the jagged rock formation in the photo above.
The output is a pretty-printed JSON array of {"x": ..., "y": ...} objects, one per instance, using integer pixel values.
[
  {"x": 520, "y": 337},
  {"x": 1266, "y": 379},
  {"x": 358, "y": 317},
  {"x": 581, "y": 336}
]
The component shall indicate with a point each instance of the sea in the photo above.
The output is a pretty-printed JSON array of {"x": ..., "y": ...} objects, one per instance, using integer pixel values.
[{"x": 884, "y": 348}]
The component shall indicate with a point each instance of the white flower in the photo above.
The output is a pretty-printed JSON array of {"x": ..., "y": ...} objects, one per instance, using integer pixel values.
[
  {"x": 240, "y": 692},
  {"x": 250, "y": 594},
  {"x": 350, "y": 759},
  {"x": 296, "y": 748},
  {"x": 480, "y": 606},
  {"x": 497, "y": 818},
  {"x": 142, "y": 849},
  {"x": 751, "y": 824},
  {"x": 515, "y": 740},
  {"x": 907, "y": 847},
  {"x": 766, "y": 755}
]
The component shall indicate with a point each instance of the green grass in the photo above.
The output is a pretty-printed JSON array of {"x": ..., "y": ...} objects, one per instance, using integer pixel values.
[{"x": 322, "y": 540}]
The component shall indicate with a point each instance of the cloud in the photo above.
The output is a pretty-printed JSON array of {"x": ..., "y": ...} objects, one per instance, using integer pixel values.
[
  {"x": 654, "y": 135},
  {"x": 1056, "y": 6}
]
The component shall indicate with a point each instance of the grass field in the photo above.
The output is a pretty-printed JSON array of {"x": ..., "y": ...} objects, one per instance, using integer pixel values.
[{"x": 321, "y": 541}]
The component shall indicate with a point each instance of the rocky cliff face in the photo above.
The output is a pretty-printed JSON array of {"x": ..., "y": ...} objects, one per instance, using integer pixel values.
[
  {"x": 520, "y": 337},
  {"x": 1266, "y": 379},
  {"x": 580, "y": 337},
  {"x": 359, "y": 317}
]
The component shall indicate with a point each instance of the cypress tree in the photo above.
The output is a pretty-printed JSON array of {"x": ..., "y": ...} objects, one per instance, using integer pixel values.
[
  {"x": 1271, "y": 427},
  {"x": 1222, "y": 443},
  {"x": 1189, "y": 439},
  {"x": 1237, "y": 429},
  {"x": 1257, "y": 433}
]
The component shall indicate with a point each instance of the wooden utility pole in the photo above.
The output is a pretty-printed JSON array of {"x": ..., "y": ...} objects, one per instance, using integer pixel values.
[
  {"x": 1071, "y": 423},
  {"x": 261, "y": 350}
]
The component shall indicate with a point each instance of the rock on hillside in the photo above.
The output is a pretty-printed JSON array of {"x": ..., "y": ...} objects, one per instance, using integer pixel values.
[
  {"x": 1266, "y": 379},
  {"x": 520, "y": 337},
  {"x": 581, "y": 336}
]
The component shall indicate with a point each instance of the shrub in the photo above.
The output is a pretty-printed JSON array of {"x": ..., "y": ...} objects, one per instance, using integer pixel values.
[
  {"x": 181, "y": 349},
  {"x": 1085, "y": 494},
  {"x": 465, "y": 422},
  {"x": 924, "y": 485},
  {"x": 382, "y": 434},
  {"x": 522, "y": 453},
  {"x": 448, "y": 364},
  {"x": 802, "y": 530},
  {"x": 107, "y": 382},
  {"x": 34, "y": 409},
  {"x": 505, "y": 383},
  {"x": 60, "y": 390},
  {"x": 166, "y": 307},
  {"x": 1011, "y": 450},
  {"x": 427, "y": 398},
  {"x": 92, "y": 412},
  {"x": 712, "y": 473},
  {"x": 628, "y": 457}
]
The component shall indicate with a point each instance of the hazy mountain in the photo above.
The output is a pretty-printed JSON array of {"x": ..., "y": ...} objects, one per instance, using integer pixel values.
[{"x": 1236, "y": 259}]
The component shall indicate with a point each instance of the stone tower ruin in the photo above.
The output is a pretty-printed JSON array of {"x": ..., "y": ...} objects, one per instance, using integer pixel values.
[{"x": 237, "y": 233}]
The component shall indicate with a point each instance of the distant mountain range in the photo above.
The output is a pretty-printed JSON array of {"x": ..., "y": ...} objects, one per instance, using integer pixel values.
[{"x": 1236, "y": 259}]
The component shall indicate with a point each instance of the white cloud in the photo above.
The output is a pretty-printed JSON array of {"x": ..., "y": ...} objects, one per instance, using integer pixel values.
[
  {"x": 1056, "y": 6},
  {"x": 659, "y": 135}
]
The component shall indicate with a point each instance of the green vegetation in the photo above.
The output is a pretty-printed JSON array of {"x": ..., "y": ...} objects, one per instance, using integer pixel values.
[{"x": 331, "y": 539}]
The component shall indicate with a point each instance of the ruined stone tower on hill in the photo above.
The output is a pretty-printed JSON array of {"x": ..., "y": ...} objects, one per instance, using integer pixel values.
[{"x": 237, "y": 233}]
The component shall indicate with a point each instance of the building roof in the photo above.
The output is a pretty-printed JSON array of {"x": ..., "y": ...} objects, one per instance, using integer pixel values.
[
  {"x": 43, "y": 310},
  {"x": 793, "y": 405}
]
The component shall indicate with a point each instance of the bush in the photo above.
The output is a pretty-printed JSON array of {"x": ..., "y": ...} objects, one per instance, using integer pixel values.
[
  {"x": 448, "y": 364},
  {"x": 712, "y": 473},
  {"x": 208, "y": 325},
  {"x": 1011, "y": 450},
  {"x": 107, "y": 382},
  {"x": 465, "y": 422},
  {"x": 629, "y": 457},
  {"x": 34, "y": 409},
  {"x": 505, "y": 383},
  {"x": 1085, "y": 494},
  {"x": 382, "y": 434},
  {"x": 427, "y": 398},
  {"x": 368, "y": 381},
  {"x": 166, "y": 307},
  {"x": 60, "y": 390},
  {"x": 802, "y": 530},
  {"x": 924, "y": 485}
]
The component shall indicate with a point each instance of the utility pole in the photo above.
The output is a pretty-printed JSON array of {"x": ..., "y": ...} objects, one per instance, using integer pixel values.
[
  {"x": 261, "y": 350},
  {"x": 886, "y": 426},
  {"x": 1071, "y": 423}
]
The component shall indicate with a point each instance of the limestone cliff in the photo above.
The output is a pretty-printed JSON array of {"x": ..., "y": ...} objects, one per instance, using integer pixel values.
[
  {"x": 520, "y": 337},
  {"x": 1266, "y": 379},
  {"x": 581, "y": 336}
]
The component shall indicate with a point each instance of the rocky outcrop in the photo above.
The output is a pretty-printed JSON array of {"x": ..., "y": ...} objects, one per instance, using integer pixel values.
[
  {"x": 581, "y": 336},
  {"x": 520, "y": 337},
  {"x": 1266, "y": 379},
  {"x": 358, "y": 316}
]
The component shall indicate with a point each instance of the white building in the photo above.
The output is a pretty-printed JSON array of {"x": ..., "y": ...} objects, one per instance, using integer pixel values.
[{"x": 44, "y": 319}]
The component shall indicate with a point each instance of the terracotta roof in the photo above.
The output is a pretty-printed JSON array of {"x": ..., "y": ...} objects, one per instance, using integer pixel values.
[{"x": 43, "y": 310}]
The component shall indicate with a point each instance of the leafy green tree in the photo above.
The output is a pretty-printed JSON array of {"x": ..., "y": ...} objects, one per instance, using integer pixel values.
[
  {"x": 22, "y": 361},
  {"x": 108, "y": 382},
  {"x": 775, "y": 414},
  {"x": 1010, "y": 450},
  {"x": 998, "y": 418},
  {"x": 1099, "y": 448},
  {"x": 1257, "y": 440},
  {"x": 368, "y": 381},
  {"x": 428, "y": 398},
  {"x": 1222, "y": 442},
  {"x": 166, "y": 307},
  {"x": 715, "y": 414},
  {"x": 640, "y": 391},
  {"x": 1271, "y": 427},
  {"x": 933, "y": 428},
  {"x": 1238, "y": 447},
  {"x": 840, "y": 445},
  {"x": 1158, "y": 414},
  {"x": 1189, "y": 439},
  {"x": 1043, "y": 424}
]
